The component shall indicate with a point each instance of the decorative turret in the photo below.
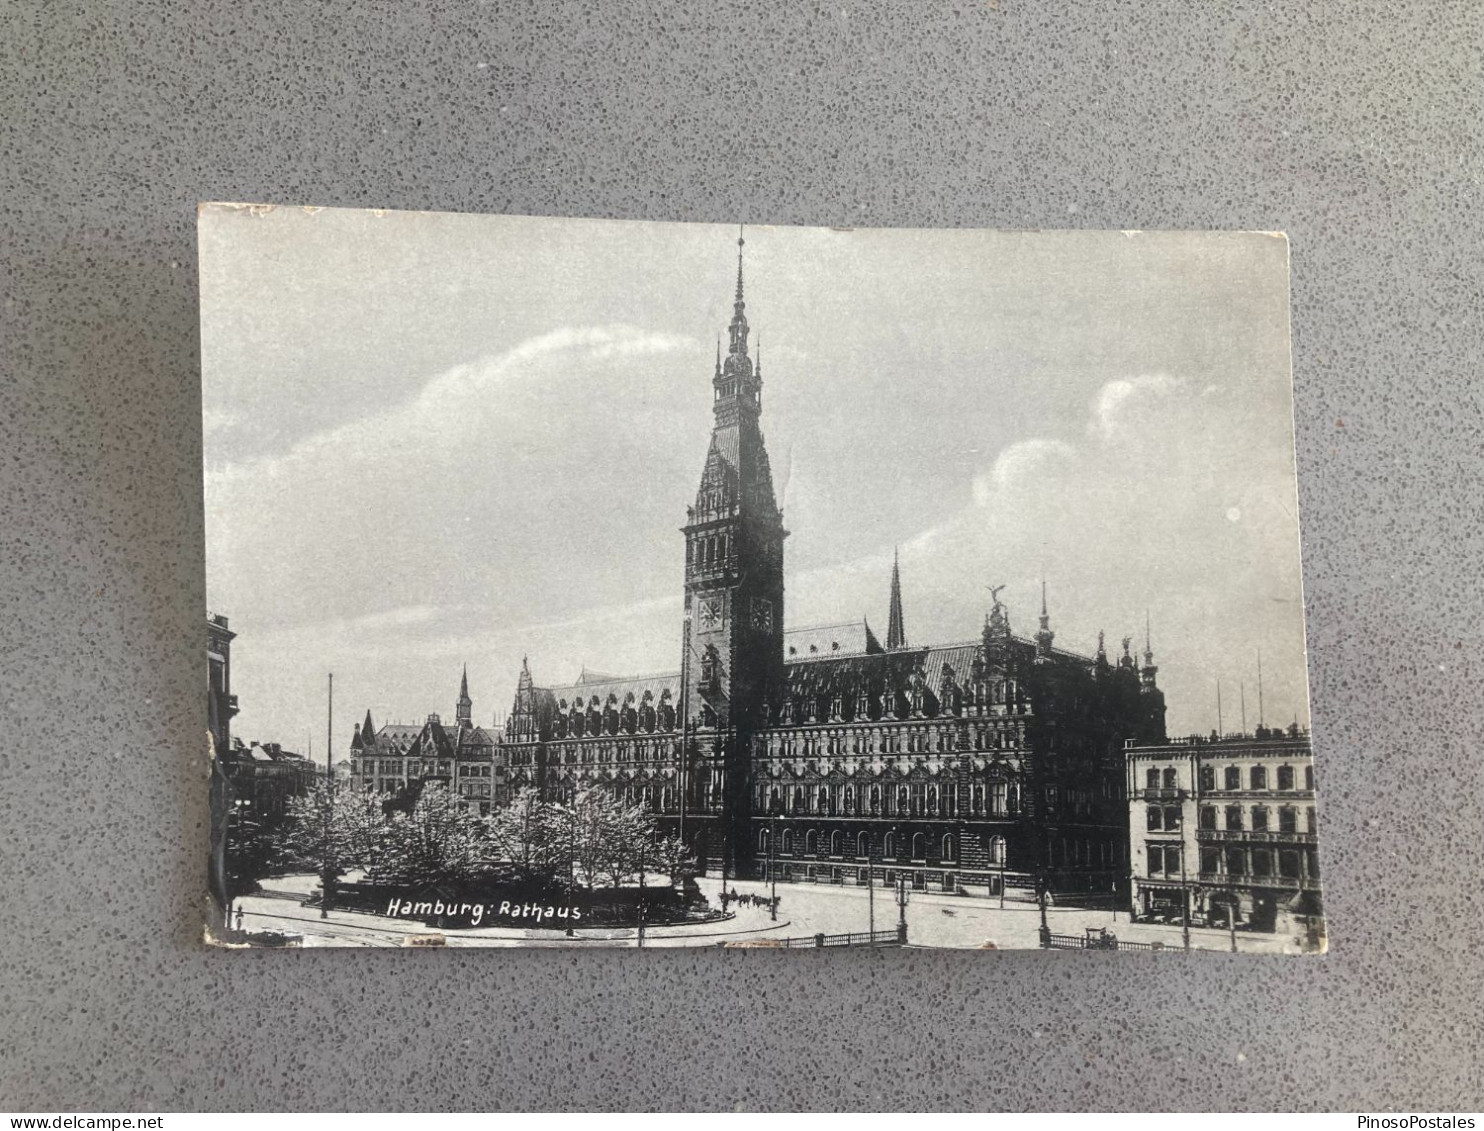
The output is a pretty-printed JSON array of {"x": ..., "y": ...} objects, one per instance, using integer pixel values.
[
  {"x": 1148, "y": 671},
  {"x": 368, "y": 732},
  {"x": 997, "y": 639},
  {"x": 524, "y": 724},
  {"x": 896, "y": 633},
  {"x": 1044, "y": 635}
]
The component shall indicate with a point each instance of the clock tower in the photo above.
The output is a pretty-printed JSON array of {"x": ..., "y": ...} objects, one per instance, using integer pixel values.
[{"x": 732, "y": 663}]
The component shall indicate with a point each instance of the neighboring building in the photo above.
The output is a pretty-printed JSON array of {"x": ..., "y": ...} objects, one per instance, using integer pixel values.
[
  {"x": 1225, "y": 825},
  {"x": 221, "y": 704},
  {"x": 968, "y": 766},
  {"x": 399, "y": 759},
  {"x": 265, "y": 776}
]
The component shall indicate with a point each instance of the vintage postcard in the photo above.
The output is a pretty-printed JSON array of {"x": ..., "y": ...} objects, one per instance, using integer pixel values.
[{"x": 609, "y": 584}]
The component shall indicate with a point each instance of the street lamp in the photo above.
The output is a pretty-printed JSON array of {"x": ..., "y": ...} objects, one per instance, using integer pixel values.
[{"x": 773, "y": 870}]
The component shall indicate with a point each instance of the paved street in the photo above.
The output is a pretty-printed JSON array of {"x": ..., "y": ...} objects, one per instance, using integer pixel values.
[{"x": 805, "y": 909}]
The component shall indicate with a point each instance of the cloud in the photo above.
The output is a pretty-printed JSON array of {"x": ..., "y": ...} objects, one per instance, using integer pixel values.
[
  {"x": 457, "y": 400},
  {"x": 1117, "y": 397},
  {"x": 1017, "y": 462}
]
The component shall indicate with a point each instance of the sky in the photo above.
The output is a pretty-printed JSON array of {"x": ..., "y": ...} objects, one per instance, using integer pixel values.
[{"x": 434, "y": 440}]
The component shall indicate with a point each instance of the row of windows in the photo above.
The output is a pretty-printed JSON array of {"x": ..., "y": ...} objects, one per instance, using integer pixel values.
[
  {"x": 1260, "y": 818},
  {"x": 645, "y": 719},
  {"x": 1167, "y": 818},
  {"x": 892, "y": 740},
  {"x": 1290, "y": 863},
  {"x": 1231, "y": 778},
  {"x": 813, "y": 843},
  {"x": 600, "y": 753},
  {"x": 1001, "y": 799},
  {"x": 430, "y": 768}
]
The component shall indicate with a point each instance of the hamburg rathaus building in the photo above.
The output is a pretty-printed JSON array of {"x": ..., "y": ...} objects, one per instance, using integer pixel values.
[{"x": 993, "y": 766}]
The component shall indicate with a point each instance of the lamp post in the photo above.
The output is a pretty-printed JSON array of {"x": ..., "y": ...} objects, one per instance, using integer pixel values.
[
  {"x": 326, "y": 879},
  {"x": 571, "y": 863},
  {"x": 773, "y": 870},
  {"x": 902, "y": 898}
]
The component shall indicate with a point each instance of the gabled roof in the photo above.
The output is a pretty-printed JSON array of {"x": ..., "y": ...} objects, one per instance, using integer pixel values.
[
  {"x": 847, "y": 638},
  {"x": 589, "y": 687}
]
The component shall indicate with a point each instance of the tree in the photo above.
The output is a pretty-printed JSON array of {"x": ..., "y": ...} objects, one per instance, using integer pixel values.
[
  {"x": 334, "y": 828},
  {"x": 440, "y": 841},
  {"x": 671, "y": 858},
  {"x": 254, "y": 848},
  {"x": 529, "y": 834}
]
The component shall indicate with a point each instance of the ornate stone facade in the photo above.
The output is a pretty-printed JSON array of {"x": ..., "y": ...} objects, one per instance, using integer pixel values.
[{"x": 818, "y": 755}]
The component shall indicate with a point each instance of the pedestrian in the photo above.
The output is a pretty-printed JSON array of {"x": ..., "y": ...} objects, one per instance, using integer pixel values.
[{"x": 239, "y": 916}]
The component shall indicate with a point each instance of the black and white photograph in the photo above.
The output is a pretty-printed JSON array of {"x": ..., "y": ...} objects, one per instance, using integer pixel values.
[{"x": 589, "y": 583}]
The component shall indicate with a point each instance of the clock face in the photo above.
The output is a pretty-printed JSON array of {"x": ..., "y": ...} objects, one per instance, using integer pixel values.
[
  {"x": 762, "y": 614},
  {"x": 710, "y": 613}
]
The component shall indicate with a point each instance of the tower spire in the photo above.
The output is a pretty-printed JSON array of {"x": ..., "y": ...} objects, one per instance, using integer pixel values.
[
  {"x": 464, "y": 710},
  {"x": 738, "y": 328},
  {"x": 896, "y": 633},
  {"x": 1044, "y": 635},
  {"x": 740, "y": 243}
]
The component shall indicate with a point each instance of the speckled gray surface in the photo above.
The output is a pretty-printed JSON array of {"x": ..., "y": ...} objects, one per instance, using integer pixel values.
[{"x": 1356, "y": 128}]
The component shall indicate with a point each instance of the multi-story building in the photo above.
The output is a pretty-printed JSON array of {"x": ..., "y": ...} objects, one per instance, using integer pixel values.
[
  {"x": 221, "y": 704},
  {"x": 260, "y": 777},
  {"x": 821, "y": 754},
  {"x": 1224, "y": 827},
  {"x": 264, "y": 776},
  {"x": 398, "y": 759}
]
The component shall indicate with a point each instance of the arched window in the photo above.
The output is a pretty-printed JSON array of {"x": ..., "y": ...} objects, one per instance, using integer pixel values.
[
  {"x": 1170, "y": 778},
  {"x": 889, "y": 845},
  {"x": 978, "y": 801},
  {"x": 798, "y": 799},
  {"x": 762, "y": 840},
  {"x": 1259, "y": 777},
  {"x": 1151, "y": 778},
  {"x": 875, "y": 800},
  {"x": 811, "y": 843},
  {"x": 850, "y": 799},
  {"x": 822, "y": 800},
  {"x": 996, "y": 850},
  {"x": 775, "y": 802},
  {"x": 835, "y": 843},
  {"x": 788, "y": 842},
  {"x": 932, "y": 800},
  {"x": 947, "y": 846},
  {"x": 919, "y": 846},
  {"x": 904, "y": 799}
]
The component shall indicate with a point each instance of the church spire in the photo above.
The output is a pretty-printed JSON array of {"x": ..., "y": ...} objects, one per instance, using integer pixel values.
[
  {"x": 896, "y": 633},
  {"x": 464, "y": 713}
]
